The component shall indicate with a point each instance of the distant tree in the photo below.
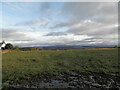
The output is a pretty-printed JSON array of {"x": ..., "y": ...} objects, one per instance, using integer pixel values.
[
  {"x": 16, "y": 47},
  {"x": 115, "y": 46},
  {"x": 9, "y": 46}
]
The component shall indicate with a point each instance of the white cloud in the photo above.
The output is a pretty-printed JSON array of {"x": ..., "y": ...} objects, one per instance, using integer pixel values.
[
  {"x": 97, "y": 20},
  {"x": 86, "y": 23},
  {"x": 39, "y": 22}
]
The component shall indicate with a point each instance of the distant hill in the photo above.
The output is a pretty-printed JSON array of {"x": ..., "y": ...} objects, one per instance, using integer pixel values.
[{"x": 63, "y": 47}]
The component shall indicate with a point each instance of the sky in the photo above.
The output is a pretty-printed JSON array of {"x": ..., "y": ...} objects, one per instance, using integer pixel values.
[{"x": 59, "y": 23}]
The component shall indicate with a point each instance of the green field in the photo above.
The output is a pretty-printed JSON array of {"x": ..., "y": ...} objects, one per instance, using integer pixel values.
[{"x": 19, "y": 64}]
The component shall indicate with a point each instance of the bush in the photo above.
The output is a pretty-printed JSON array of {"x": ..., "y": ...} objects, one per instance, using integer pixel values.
[
  {"x": 115, "y": 46},
  {"x": 16, "y": 48},
  {"x": 9, "y": 46}
]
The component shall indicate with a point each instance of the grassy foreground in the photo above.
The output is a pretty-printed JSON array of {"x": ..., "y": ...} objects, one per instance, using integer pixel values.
[{"x": 18, "y": 64}]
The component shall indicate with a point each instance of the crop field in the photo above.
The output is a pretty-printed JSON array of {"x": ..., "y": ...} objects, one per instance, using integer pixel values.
[{"x": 21, "y": 66}]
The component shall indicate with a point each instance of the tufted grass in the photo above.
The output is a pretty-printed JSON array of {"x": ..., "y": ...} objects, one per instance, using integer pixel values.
[{"x": 18, "y": 64}]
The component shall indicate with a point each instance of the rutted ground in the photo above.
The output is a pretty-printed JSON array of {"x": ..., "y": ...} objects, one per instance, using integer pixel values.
[
  {"x": 61, "y": 69},
  {"x": 74, "y": 80}
]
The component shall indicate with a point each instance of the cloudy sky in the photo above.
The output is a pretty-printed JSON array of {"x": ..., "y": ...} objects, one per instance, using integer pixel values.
[{"x": 59, "y": 23}]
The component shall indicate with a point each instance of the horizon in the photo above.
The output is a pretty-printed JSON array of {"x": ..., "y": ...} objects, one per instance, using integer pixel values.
[{"x": 29, "y": 24}]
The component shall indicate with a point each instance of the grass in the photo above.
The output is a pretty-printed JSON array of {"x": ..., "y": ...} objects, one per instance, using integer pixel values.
[{"x": 18, "y": 64}]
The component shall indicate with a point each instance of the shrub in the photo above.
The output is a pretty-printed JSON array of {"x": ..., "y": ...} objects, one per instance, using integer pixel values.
[
  {"x": 16, "y": 47},
  {"x": 9, "y": 46}
]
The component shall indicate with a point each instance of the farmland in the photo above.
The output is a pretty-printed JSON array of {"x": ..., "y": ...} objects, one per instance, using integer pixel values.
[{"x": 28, "y": 68}]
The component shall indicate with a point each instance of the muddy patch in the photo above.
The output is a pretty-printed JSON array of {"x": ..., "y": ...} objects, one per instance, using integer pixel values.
[{"x": 75, "y": 80}]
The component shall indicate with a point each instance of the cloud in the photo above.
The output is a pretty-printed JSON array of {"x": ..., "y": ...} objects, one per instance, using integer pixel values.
[
  {"x": 56, "y": 34},
  {"x": 45, "y": 6},
  {"x": 76, "y": 11},
  {"x": 88, "y": 9},
  {"x": 13, "y": 34},
  {"x": 17, "y": 37},
  {"x": 97, "y": 20},
  {"x": 45, "y": 9},
  {"x": 42, "y": 21},
  {"x": 71, "y": 22},
  {"x": 87, "y": 23},
  {"x": 92, "y": 28}
]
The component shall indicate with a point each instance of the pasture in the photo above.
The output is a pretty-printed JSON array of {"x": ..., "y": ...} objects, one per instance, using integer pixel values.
[{"x": 26, "y": 64}]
